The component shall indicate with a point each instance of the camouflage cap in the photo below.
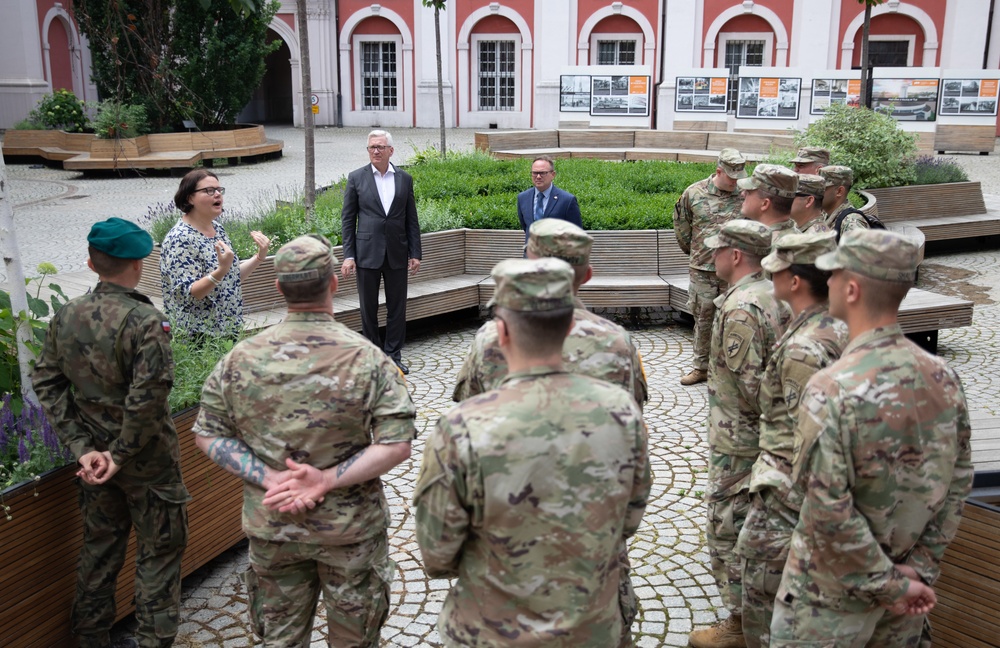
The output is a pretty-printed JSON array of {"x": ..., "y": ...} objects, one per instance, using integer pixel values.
[
  {"x": 810, "y": 154},
  {"x": 798, "y": 248},
  {"x": 837, "y": 176},
  {"x": 772, "y": 178},
  {"x": 876, "y": 253},
  {"x": 732, "y": 163},
  {"x": 121, "y": 239},
  {"x": 811, "y": 185},
  {"x": 304, "y": 258},
  {"x": 554, "y": 237},
  {"x": 742, "y": 234},
  {"x": 533, "y": 285}
]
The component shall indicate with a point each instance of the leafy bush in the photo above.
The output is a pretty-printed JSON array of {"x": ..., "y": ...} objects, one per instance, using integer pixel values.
[
  {"x": 29, "y": 124},
  {"x": 194, "y": 359},
  {"x": 115, "y": 120},
  {"x": 871, "y": 143},
  {"x": 936, "y": 170},
  {"x": 60, "y": 110}
]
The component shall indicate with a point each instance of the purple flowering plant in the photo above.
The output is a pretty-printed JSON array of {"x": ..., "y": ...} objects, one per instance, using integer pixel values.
[{"x": 28, "y": 444}]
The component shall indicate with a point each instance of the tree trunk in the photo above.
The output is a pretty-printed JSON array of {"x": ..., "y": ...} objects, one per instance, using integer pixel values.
[
  {"x": 308, "y": 120},
  {"x": 437, "y": 41},
  {"x": 15, "y": 277},
  {"x": 866, "y": 99}
]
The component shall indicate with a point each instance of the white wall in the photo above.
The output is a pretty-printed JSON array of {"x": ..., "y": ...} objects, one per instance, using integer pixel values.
[{"x": 22, "y": 81}]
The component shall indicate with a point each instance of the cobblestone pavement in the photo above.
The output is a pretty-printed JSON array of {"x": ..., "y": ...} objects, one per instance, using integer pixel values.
[{"x": 55, "y": 209}]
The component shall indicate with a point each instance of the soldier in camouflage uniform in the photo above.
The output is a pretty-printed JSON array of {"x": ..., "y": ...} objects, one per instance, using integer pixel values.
[
  {"x": 748, "y": 322},
  {"x": 768, "y": 196},
  {"x": 839, "y": 180},
  {"x": 103, "y": 379},
  {"x": 807, "y": 208},
  {"x": 812, "y": 341},
  {"x": 810, "y": 159},
  {"x": 314, "y": 397},
  {"x": 595, "y": 346},
  {"x": 883, "y": 449},
  {"x": 527, "y": 492},
  {"x": 699, "y": 213}
]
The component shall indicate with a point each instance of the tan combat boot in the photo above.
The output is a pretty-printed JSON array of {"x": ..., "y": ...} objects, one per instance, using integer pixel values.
[
  {"x": 725, "y": 634},
  {"x": 694, "y": 377}
]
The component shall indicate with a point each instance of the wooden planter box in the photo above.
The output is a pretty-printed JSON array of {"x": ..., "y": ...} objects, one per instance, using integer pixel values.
[
  {"x": 968, "y": 590},
  {"x": 40, "y": 544}
]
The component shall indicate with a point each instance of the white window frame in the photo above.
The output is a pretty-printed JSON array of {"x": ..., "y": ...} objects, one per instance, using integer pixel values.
[
  {"x": 640, "y": 50},
  {"x": 359, "y": 90},
  {"x": 725, "y": 37},
  {"x": 474, "y": 71},
  {"x": 909, "y": 38}
]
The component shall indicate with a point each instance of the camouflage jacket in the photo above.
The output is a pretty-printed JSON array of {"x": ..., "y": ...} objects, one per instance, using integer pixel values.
[
  {"x": 699, "y": 213},
  {"x": 812, "y": 341},
  {"x": 595, "y": 347},
  {"x": 851, "y": 221},
  {"x": 883, "y": 444},
  {"x": 747, "y": 323},
  {"x": 103, "y": 379},
  {"x": 815, "y": 226},
  {"x": 314, "y": 391},
  {"x": 525, "y": 494},
  {"x": 783, "y": 228}
]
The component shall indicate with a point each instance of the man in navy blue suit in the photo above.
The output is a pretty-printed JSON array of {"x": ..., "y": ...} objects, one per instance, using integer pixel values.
[{"x": 546, "y": 200}]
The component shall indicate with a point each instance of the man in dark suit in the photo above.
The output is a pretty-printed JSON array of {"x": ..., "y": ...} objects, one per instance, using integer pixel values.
[
  {"x": 381, "y": 240},
  {"x": 546, "y": 200}
]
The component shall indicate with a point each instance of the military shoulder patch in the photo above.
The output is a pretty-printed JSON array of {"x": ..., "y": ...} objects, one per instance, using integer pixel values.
[{"x": 736, "y": 343}]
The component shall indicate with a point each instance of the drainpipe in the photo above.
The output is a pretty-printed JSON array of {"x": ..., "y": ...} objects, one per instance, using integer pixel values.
[
  {"x": 336, "y": 49},
  {"x": 989, "y": 34},
  {"x": 663, "y": 60}
]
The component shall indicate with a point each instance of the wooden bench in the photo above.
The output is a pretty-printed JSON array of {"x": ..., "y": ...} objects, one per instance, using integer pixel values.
[
  {"x": 157, "y": 151},
  {"x": 942, "y": 211},
  {"x": 968, "y": 590},
  {"x": 965, "y": 137},
  {"x": 625, "y": 144}
]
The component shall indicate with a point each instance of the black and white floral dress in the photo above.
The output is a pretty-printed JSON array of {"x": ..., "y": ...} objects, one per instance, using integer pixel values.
[{"x": 187, "y": 255}]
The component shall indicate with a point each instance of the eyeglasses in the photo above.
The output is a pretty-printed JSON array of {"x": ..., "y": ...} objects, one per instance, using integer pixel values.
[
  {"x": 376, "y": 148},
  {"x": 539, "y": 174},
  {"x": 211, "y": 191}
]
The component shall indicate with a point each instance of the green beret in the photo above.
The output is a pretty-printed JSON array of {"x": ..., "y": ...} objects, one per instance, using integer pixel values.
[{"x": 121, "y": 239}]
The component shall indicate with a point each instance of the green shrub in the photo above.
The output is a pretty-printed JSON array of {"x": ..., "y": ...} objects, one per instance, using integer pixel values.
[
  {"x": 871, "y": 143},
  {"x": 194, "y": 359},
  {"x": 936, "y": 170},
  {"x": 115, "y": 120},
  {"x": 60, "y": 110},
  {"x": 29, "y": 124}
]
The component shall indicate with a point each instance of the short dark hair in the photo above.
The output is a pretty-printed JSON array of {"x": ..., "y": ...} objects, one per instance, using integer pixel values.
[
  {"x": 781, "y": 204},
  {"x": 545, "y": 158},
  {"x": 189, "y": 183},
  {"x": 306, "y": 292},
  {"x": 538, "y": 333},
  {"x": 105, "y": 264},
  {"x": 881, "y": 297},
  {"x": 815, "y": 278}
]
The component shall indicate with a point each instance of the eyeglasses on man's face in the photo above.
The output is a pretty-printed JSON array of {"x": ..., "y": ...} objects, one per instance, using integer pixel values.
[
  {"x": 540, "y": 174},
  {"x": 211, "y": 191},
  {"x": 377, "y": 148}
]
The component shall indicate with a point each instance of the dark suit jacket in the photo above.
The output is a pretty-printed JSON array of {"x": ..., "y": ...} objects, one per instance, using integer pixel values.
[
  {"x": 562, "y": 204},
  {"x": 369, "y": 233}
]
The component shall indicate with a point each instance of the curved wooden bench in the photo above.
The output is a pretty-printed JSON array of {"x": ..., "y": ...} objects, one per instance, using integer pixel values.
[{"x": 953, "y": 210}]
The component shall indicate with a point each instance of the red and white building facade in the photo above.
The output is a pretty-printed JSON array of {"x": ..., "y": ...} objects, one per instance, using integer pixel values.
[{"x": 502, "y": 60}]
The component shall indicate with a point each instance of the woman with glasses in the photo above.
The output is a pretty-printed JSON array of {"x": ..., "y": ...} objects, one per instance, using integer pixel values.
[{"x": 201, "y": 273}]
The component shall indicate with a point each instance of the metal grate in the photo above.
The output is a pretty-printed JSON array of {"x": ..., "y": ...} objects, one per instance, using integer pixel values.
[
  {"x": 740, "y": 52},
  {"x": 378, "y": 75},
  {"x": 888, "y": 53},
  {"x": 616, "y": 52},
  {"x": 497, "y": 75}
]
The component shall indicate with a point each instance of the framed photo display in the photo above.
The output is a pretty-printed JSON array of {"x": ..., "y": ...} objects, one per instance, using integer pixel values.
[
  {"x": 969, "y": 97},
  {"x": 827, "y": 92},
  {"x": 619, "y": 95},
  {"x": 769, "y": 98},
  {"x": 701, "y": 94},
  {"x": 909, "y": 99},
  {"x": 574, "y": 93}
]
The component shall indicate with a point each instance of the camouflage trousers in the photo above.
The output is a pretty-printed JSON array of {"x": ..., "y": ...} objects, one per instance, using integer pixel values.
[
  {"x": 705, "y": 286},
  {"x": 628, "y": 603},
  {"x": 799, "y": 624},
  {"x": 285, "y": 580},
  {"x": 110, "y": 511},
  {"x": 728, "y": 503},
  {"x": 763, "y": 546}
]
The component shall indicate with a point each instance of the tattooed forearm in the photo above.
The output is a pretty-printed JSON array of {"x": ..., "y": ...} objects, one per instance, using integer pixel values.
[
  {"x": 347, "y": 463},
  {"x": 236, "y": 457}
]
